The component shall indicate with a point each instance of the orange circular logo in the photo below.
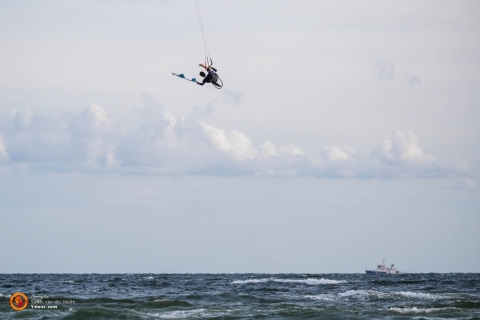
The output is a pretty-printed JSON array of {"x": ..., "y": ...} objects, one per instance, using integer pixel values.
[{"x": 18, "y": 301}]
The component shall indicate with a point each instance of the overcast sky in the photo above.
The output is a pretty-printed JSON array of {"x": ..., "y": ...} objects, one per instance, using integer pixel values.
[{"x": 346, "y": 132}]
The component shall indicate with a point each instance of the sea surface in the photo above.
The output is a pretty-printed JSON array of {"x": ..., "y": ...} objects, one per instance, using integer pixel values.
[{"x": 243, "y": 296}]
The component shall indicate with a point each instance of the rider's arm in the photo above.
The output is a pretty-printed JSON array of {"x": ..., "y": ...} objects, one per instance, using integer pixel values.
[
  {"x": 207, "y": 67},
  {"x": 200, "y": 83}
]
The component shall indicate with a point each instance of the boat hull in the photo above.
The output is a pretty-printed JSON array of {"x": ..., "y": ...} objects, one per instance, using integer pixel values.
[{"x": 374, "y": 272}]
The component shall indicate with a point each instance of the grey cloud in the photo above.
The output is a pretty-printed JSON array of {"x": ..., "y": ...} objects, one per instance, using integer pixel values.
[
  {"x": 149, "y": 102},
  {"x": 385, "y": 70},
  {"x": 197, "y": 112},
  {"x": 414, "y": 80},
  {"x": 232, "y": 97},
  {"x": 465, "y": 184}
]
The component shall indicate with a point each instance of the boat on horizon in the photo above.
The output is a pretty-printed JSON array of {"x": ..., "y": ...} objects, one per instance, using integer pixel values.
[{"x": 382, "y": 269}]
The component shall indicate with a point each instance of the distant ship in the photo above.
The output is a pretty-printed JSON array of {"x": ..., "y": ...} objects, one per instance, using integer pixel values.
[{"x": 382, "y": 269}]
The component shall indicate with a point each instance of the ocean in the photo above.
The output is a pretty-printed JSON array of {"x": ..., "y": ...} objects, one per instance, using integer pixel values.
[{"x": 242, "y": 296}]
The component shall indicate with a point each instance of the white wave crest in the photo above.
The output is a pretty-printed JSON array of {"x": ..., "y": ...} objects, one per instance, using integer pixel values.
[
  {"x": 363, "y": 293},
  {"x": 149, "y": 278},
  {"x": 179, "y": 314},
  {"x": 419, "y": 310},
  {"x": 250, "y": 281},
  {"x": 310, "y": 281},
  {"x": 354, "y": 293},
  {"x": 419, "y": 295},
  {"x": 387, "y": 295},
  {"x": 324, "y": 297},
  {"x": 351, "y": 293}
]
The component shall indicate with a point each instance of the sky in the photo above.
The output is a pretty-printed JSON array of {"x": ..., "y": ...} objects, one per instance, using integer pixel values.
[{"x": 347, "y": 132}]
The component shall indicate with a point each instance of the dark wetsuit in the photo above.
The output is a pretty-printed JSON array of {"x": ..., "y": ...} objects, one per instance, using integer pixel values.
[{"x": 211, "y": 77}]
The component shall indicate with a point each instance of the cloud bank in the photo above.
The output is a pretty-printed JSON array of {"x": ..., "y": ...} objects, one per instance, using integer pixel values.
[{"x": 157, "y": 142}]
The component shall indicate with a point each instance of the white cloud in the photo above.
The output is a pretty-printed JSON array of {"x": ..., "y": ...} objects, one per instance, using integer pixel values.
[
  {"x": 95, "y": 134},
  {"x": 3, "y": 151},
  {"x": 155, "y": 141},
  {"x": 96, "y": 117},
  {"x": 402, "y": 149},
  {"x": 269, "y": 150},
  {"x": 290, "y": 150},
  {"x": 235, "y": 143},
  {"x": 338, "y": 154}
]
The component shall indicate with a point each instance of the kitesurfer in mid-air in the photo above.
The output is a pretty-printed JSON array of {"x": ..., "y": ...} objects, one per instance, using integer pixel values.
[{"x": 211, "y": 77}]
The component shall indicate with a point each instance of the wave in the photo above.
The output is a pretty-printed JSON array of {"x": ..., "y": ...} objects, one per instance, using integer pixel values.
[
  {"x": 114, "y": 279},
  {"x": 395, "y": 294},
  {"x": 250, "y": 281},
  {"x": 310, "y": 281},
  {"x": 170, "y": 303},
  {"x": 179, "y": 314},
  {"x": 361, "y": 293},
  {"x": 324, "y": 297},
  {"x": 419, "y": 295},
  {"x": 420, "y": 310}
]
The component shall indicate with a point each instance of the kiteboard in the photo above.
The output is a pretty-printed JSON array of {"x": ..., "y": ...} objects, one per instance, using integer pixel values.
[{"x": 183, "y": 77}]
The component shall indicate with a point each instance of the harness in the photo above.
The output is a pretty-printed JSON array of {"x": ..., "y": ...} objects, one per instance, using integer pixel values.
[{"x": 213, "y": 74}]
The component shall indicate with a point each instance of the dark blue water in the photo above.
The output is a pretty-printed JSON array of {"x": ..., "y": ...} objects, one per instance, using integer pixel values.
[{"x": 243, "y": 296}]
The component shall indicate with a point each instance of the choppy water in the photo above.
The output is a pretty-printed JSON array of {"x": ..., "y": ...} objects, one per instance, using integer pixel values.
[{"x": 245, "y": 296}]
